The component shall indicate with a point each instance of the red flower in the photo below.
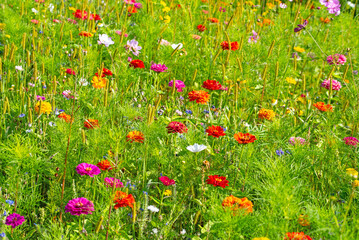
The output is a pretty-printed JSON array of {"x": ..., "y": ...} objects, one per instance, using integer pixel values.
[
  {"x": 167, "y": 181},
  {"x": 213, "y": 20},
  {"x": 217, "y": 181},
  {"x": 137, "y": 64},
  {"x": 104, "y": 165},
  {"x": 244, "y": 138},
  {"x": 199, "y": 96},
  {"x": 123, "y": 199},
  {"x": 215, "y": 131},
  {"x": 70, "y": 71},
  {"x": 91, "y": 123},
  {"x": 201, "y": 28},
  {"x": 105, "y": 72},
  {"x": 176, "y": 127},
  {"x": 234, "y": 46},
  {"x": 95, "y": 17},
  {"x": 212, "y": 85},
  {"x": 80, "y": 14},
  {"x": 132, "y": 9},
  {"x": 297, "y": 236}
]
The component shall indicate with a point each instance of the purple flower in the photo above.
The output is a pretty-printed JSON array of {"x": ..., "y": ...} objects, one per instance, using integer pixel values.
[
  {"x": 109, "y": 182},
  {"x": 14, "y": 220},
  {"x": 133, "y": 47},
  {"x": 333, "y": 6},
  {"x": 38, "y": 98},
  {"x": 158, "y": 67},
  {"x": 79, "y": 206},
  {"x": 87, "y": 169},
  {"x": 279, "y": 152},
  {"x": 137, "y": 5},
  {"x": 179, "y": 85},
  {"x": 301, "y": 26},
  {"x": 335, "y": 84},
  {"x": 254, "y": 37}
]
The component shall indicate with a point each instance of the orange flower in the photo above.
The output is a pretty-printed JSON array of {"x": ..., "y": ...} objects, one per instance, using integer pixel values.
[
  {"x": 91, "y": 124},
  {"x": 65, "y": 116},
  {"x": 322, "y": 107},
  {"x": 98, "y": 82},
  {"x": 244, "y": 138},
  {"x": 325, "y": 20},
  {"x": 265, "y": 22},
  {"x": 104, "y": 165},
  {"x": 302, "y": 220},
  {"x": 132, "y": 9},
  {"x": 297, "y": 236},
  {"x": 213, "y": 20},
  {"x": 234, "y": 203},
  {"x": 215, "y": 131},
  {"x": 135, "y": 136},
  {"x": 85, "y": 34},
  {"x": 123, "y": 199},
  {"x": 266, "y": 114},
  {"x": 199, "y": 96}
]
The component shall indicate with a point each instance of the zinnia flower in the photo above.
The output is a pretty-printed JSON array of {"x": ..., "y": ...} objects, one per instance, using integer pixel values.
[
  {"x": 215, "y": 131},
  {"x": 297, "y": 236},
  {"x": 65, "y": 116},
  {"x": 213, "y": 20},
  {"x": 123, "y": 199},
  {"x": 14, "y": 220},
  {"x": 234, "y": 46},
  {"x": 176, "y": 127},
  {"x": 335, "y": 84},
  {"x": 302, "y": 220},
  {"x": 158, "y": 67},
  {"x": 322, "y": 107},
  {"x": 201, "y": 28},
  {"x": 70, "y": 71},
  {"x": 217, "y": 181},
  {"x": 85, "y": 34},
  {"x": 351, "y": 141},
  {"x": 91, "y": 124},
  {"x": 336, "y": 59},
  {"x": 297, "y": 141},
  {"x": 179, "y": 85},
  {"x": 167, "y": 181},
  {"x": 135, "y": 136},
  {"x": 199, "y": 96},
  {"x": 104, "y": 165},
  {"x": 43, "y": 107},
  {"x": 266, "y": 114},
  {"x": 98, "y": 82},
  {"x": 87, "y": 169},
  {"x": 105, "y": 72},
  {"x": 137, "y": 64},
  {"x": 244, "y": 138},
  {"x": 109, "y": 182},
  {"x": 234, "y": 204},
  {"x": 212, "y": 85},
  {"x": 79, "y": 206}
]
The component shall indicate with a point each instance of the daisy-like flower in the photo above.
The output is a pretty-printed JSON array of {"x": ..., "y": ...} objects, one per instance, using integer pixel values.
[
  {"x": 158, "y": 67},
  {"x": 167, "y": 181},
  {"x": 337, "y": 59},
  {"x": 352, "y": 141},
  {"x": 297, "y": 236},
  {"x": 85, "y": 34},
  {"x": 105, "y": 40},
  {"x": 254, "y": 38},
  {"x": 215, "y": 131},
  {"x": 266, "y": 114},
  {"x": 136, "y": 63},
  {"x": 352, "y": 172},
  {"x": 201, "y": 28},
  {"x": 234, "y": 46},
  {"x": 133, "y": 47},
  {"x": 196, "y": 148},
  {"x": 43, "y": 107},
  {"x": 104, "y": 165},
  {"x": 123, "y": 199},
  {"x": 212, "y": 85},
  {"x": 98, "y": 82},
  {"x": 105, "y": 72},
  {"x": 87, "y": 169},
  {"x": 65, "y": 116},
  {"x": 217, "y": 181},
  {"x": 109, "y": 182},
  {"x": 135, "y": 136},
  {"x": 14, "y": 220},
  {"x": 176, "y": 127},
  {"x": 153, "y": 208},
  {"x": 336, "y": 85},
  {"x": 91, "y": 124},
  {"x": 179, "y": 85},
  {"x": 244, "y": 138},
  {"x": 323, "y": 107},
  {"x": 200, "y": 96},
  {"x": 79, "y": 206},
  {"x": 234, "y": 204}
]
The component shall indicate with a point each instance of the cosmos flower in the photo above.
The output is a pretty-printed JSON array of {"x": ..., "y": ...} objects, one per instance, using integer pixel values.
[
  {"x": 136, "y": 63},
  {"x": 105, "y": 40},
  {"x": 91, "y": 124},
  {"x": 244, "y": 138},
  {"x": 167, "y": 181},
  {"x": 179, "y": 85},
  {"x": 254, "y": 38},
  {"x": 200, "y": 96},
  {"x": 352, "y": 141},
  {"x": 234, "y": 204},
  {"x": 217, "y": 181},
  {"x": 79, "y": 206},
  {"x": 333, "y": 6},
  {"x": 176, "y": 127},
  {"x": 215, "y": 131},
  {"x": 337, "y": 59},
  {"x": 196, "y": 148},
  {"x": 123, "y": 199},
  {"x": 322, "y": 107},
  {"x": 135, "y": 136},
  {"x": 212, "y": 85},
  {"x": 336, "y": 85},
  {"x": 14, "y": 220},
  {"x": 133, "y": 47},
  {"x": 266, "y": 114},
  {"x": 297, "y": 236},
  {"x": 109, "y": 182},
  {"x": 87, "y": 169},
  {"x": 234, "y": 46},
  {"x": 104, "y": 165},
  {"x": 43, "y": 107},
  {"x": 301, "y": 26}
]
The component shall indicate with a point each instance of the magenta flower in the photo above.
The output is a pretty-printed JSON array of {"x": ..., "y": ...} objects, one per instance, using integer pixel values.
[
  {"x": 352, "y": 141},
  {"x": 335, "y": 84},
  {"x": 79, "y": 206},
  {"x": 120, "y": 33},
  {"x": 297, "y": 141},
  {"x": 179, "y": 85},
  {"x": 158, "y": 67},
  {"x": 167, "y": 181},
  {"x": 301, "y": 26},
  {"x": 67, "y": 94},
  {"x": 70, "y": 71},
  {"x": 109, "y": 182},
  {"x": 14, "y": 220},
  {"x": 336, "y": 59},
  {"x": 87, "y": 169},
  {"x": 333, "y": 6},
  {"x": 38, "y": 98}
]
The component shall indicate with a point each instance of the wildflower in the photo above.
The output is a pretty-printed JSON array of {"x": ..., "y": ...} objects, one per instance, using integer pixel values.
[
  {"x": 297, "y": 141},
  {"x": 154, "y": 230},
  {"x": 176, "y": 127},
  {"x": 254, "y": 38},
  {"x": 70, "y": 71},
  {"x": 109, "y": 182},
  {"x": 266, "y": 114},
  {"x": 201, "y": 28},
  {"x": 168, "y": 192},
  {"x": 197, "y": 37},
  {"x": 352, "y": 172},
  {"x": 135, "y": 136},
  {"x": 87, "y": 169},
  {"x": 45, "y": 107},
  {"x": 297, "y": 236},
  {"x": 303, "y": 220},
  {"x": 79, "y": 206},
  {"x": 279, "y": 152},
  {"x": 80, "y": 14},
  {"x": 333, "y": 6},
  {"x": 98, "y": 82},
  {"x": 85, "y": 34},
  {"x": 336, "y": 59},
  {"x": 105, "y": 40},
  {"x": 196, "y": 147},
  {"x": 183, "y": 232},
  {"x": 164, "y": 42},
  {"x": 56, "y": 21},
  {"x": 177, "y": 46},
  {"x": 137, "y": 64},
  {"x": 91, "y": 124},
  {"x": 325, "y": 20},
  {"x": 105, "y": 72},
  {"x": 153, "y": 208},
  {"x": 215, "y": 131},
  {"x": 244, "y": 138},
  {"x": 132, "y": 9},
  {"x": 291, "y": 80},
  {"x": 301, "y": 26},
  {"x": 352, "y": 141},
  {"x": 322, "y": 107},
  {"x": 234, "y": 46},
  {"x": 10, "y": 202},
  {"x": 299, "y": 49},
  {"x": 179, "y": 85},
  {"x": 167, "y": 181},
  {"x": 68, "y": 95},
  {"x": 2, "y": 235},
  {"x": 123, "y": 199},
  {"x": 355, "y": 183},
  {"x": 335, "y": 84},
  {"x": 83, "y": 82},
  {"x": 21, "y": 115},
  {"x": 283, "y": 5},
  {"x": 65, "y": 116},
  {"x": 158, "y": 67},
  {"x": 14, "y": 220},
  {"x": 234, "y": 204},
  {"x": 211, "y": 85},
  {"x": 19, "y": 68},
  {"x": 40, "y": 98},
  {"x": 217, "y": 181},
  {"x": 120, "y": 33},
  {"x": 104, "y": 165},
  {"x": 199, "y": 96},
  {"x": 189, "y": 112},
  {"x": 35, "y": 21},
  {"x": 213, "y": 20}
]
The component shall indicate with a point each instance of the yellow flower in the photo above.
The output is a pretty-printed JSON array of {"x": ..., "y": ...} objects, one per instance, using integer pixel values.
[
  {"x": 163, "y": 3},
  {"x": 302, "y": 100},
  {"x": 300, "y": 113},
  {"x": 2, "y": 26},
  {"x": 98, "y": 82},
  {"x": 168, "y": 192},
  {"x": 356, "y": 183},
  {"x": 72, "y": 9},
  {"x": 8, "y": 36},
  {"x": 299, "y": 49},
  {"x": 166, "y": 19},
  {"x": 166, "y": 9},
  {"x": 352, "y": 172},
  {"x": 266, "y": 114},
  {"x": 265, "y": 13},
  {"x": 291, "y": 80},
  {"x": 274, "y": 102},
  {"x": 261, "y": 238},
  {"x": 270, "y": 5},
  {"x": 250, "y": 3},
  {"x": 45, "y": 107}
]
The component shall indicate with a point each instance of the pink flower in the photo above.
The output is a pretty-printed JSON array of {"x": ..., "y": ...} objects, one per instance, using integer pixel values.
[
  {"x": 35, "y": 21},
  {"x": 167, "y": 181},
  {"x": 72, "y": 21},
  {"x": 87, "y": 169},
  {"x": 336, "y": 59},
  {"x": 38, "y": 98},
  {"x": 109, "y": 182},
  {"x": 197, "y": 37},
  {"x": 352, "y": 141},
  {"x": 179, "y": 85},
  {"x": 158, "y": 67},
  {"x": 297, "y": 141},
  {"x": 120, "y": 33},
  {"x": 70, "y": 71},
  {"x": 335, "y": 84},
  {"x": 205, "y": 12},
  {"x": 56, "y": 21}
]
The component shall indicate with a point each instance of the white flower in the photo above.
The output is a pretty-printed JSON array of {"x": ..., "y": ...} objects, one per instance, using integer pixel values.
[
  {"x": 154, "y": 231},
  {"x": 174, "y": 46},
  {"x": 183, "y": 232},
  {"x": 19, "y": 68},
  {"x": 52, "y": 124},
  {"x": 282, "y": 5},
  {"x": 153, "y": 208},
  {"x": 83, "y": 82},
  {"x": 352, "y": 5},
  {"x": 34, "y": 10},
  {"x": 51, "y": 7},
  {"x": 105, "y": 40},
  {"x": 196, "y": 147}
]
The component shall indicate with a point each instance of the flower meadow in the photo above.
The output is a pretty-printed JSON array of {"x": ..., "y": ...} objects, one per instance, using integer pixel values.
[{"x": 179, "y": 119}]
